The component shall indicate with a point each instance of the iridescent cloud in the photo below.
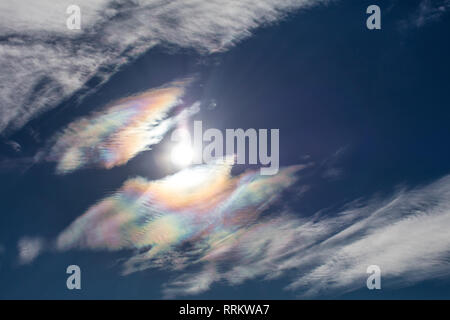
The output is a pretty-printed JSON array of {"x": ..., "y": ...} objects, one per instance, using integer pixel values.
[
  {"x": 207, "y": 226},
  {"x": 202, "y": 208},
  {"x": 405, "y": 234},
  {"x": 116, "y": 134}
]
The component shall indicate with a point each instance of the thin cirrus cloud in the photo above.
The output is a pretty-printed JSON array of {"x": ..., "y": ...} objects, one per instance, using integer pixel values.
[
  {"x": 114, "y": 135},
  {"x": 428, "y": 11},
  {"x": 43, "y": 62},
  {"x": 221, "y": 228},
  {"x": 406, "y": 235}
]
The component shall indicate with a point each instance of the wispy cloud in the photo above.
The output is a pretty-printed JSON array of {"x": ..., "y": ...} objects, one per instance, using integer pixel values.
[
  {"x": 114, "y": 135},
  {"x": 427, "y": 12},
  {"x": 330, "y": 166},
  {"x": 406, "y": 235},
  {"x": 29, "y": 249},
  {"x": 207, "y": 226},
  {"x": 14, "y": 145},
  {"x": 43, "y": 62}
]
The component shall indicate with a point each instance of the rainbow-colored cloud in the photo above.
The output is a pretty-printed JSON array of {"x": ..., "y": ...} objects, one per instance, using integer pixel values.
[
  {"x": 202, "y": 207},
  {"x": 207, "y": 226},
  {"x": 113, "y": 136}
]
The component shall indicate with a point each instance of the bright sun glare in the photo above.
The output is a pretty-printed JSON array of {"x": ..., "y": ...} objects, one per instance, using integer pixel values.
[{"x": 182, "y": 154}]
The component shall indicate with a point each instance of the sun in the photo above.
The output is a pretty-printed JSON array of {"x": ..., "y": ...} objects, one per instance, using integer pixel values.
[{"x": 182, "y": 154}]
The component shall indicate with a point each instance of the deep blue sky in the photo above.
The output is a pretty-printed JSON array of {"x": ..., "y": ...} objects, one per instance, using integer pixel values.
[{"x": 320, "y": 76}]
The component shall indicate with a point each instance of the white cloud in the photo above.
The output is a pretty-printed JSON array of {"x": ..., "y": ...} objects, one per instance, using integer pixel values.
[
  {"x": 43, "y": 62},
  {"x": 192, "y": 284},
  {"x": 29, "y": 249},
  {"x": 406, "y": 235}
]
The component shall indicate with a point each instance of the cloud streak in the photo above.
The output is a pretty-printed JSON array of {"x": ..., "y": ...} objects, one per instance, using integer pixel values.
[
  {"x": 405, "y": 234},
  {"x": 427, "y": 12},
  {"x": 43, "y": 62}
]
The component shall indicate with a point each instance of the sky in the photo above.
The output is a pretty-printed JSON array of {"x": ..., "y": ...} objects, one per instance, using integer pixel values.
[{"x": 86, "y": 118}]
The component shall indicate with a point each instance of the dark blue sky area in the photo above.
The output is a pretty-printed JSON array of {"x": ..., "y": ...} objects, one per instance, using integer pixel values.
[{"x": 372, "y": 104}]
